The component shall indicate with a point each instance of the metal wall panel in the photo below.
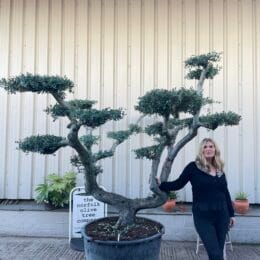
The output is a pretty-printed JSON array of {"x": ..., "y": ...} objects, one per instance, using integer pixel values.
[{"x": 115, "y": 51}]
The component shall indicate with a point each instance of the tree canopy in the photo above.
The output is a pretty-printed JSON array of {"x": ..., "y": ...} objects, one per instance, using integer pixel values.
[{"x": 173, "y": 110}]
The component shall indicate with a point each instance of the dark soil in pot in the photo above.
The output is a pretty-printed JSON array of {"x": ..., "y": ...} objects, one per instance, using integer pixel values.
[
  {"x": 141, "y": 241},
  {"x": 104, "y": 229}
]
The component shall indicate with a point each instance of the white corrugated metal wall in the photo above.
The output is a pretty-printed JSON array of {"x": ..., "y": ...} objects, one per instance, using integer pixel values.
[{"x": 116, "y": 50}]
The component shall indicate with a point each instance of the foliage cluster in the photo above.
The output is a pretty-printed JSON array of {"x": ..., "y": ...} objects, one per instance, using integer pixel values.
[
  {"x": 47, "y": 144},
  {"x": 39, "y": 84},
  {"x": 196, "y": 64},
  {"x": 172, "y": 195},
  {"x": 170, "y": 102},
  {"x": 56, "y": 189},
  {"x": 241, "y": 196}
]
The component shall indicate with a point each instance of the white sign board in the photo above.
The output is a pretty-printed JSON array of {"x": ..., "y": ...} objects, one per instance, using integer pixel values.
[{"x": 85, "y": 209}]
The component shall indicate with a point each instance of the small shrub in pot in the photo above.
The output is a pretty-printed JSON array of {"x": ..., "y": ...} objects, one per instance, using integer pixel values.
[
  {"x": 241, "y": 203},
  {"x": 55, "y": 191}
]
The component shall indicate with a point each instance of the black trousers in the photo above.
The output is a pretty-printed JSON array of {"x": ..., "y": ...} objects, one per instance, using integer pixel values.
[{"x": 212, "y": 227}]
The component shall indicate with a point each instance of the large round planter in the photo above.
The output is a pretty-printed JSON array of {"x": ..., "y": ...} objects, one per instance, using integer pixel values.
[
  {"x": 241, "y": 206},
  {"x": 141, "y": 249}
]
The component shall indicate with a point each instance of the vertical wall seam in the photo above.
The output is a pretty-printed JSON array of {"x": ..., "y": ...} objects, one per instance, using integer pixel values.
[
  {"x": 75, "y": 57},
  {"x": 7, "y": 136},
  {"x": 225, "y": 69},
  {"x": 255, "y": 92},
  {"x": 115, "y": 83},
  {"x": 169, "y": 45},
  {"x": 62, "y": 38},
  {"x": 76, "y": 49},
  {"x": 183, "y": 39},
  {"x": 89, "y": 50},
  {"x": 142, "y": 41},
  {"x": 50, "y": 8},
  {"x": 3, "y": 130},
  {"x": 21, "y": 97},
  {"x": 49, "y": 35},
  {"x": 197, "y": 29},
  {"x": 155, "y": 53},
  {"x": 75, "y": 46},
  {"x": 240, "y": 91},
  {"x": 36, "y": 38},
  {"x": 142, "y": 65},
  {"x": 183, "y": 13},
  {"x": 101, "y": 73},
  {"x": 211, "y": 28},
  {"x": 196, "y": 52},
  {"x": 62, "y": 62},
  {"x": 35, "y": 98},
  {"x": 183, "y": 70},
  {"x": 128, "y": 143}
]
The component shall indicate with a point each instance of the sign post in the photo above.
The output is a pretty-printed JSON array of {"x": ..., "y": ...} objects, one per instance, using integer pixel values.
[{"x": 83, "y": 209}]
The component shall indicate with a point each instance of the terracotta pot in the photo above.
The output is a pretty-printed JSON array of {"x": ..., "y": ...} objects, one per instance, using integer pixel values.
[
  {"x": 169, "y": 205},
  {"x": 241, "y": 206}
]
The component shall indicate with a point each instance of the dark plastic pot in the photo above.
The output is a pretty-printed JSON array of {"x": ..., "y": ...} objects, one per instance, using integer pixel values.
[{"x": 141, "y": 249}]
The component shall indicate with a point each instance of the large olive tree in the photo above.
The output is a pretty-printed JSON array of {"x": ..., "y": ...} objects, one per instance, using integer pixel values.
[{"x": 175, "y": 110}]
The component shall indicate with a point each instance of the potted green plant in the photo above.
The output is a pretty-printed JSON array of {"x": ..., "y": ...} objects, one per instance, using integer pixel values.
[
  {"x": 241, "y": 203},
  {"x": 171, "y": 112},
  {"x": 55, "y": 191},
  {"x": 170, "y": 204}
]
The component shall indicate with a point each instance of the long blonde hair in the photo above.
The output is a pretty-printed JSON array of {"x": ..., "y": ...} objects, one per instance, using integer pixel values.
[{"x": 216, "y": 162}]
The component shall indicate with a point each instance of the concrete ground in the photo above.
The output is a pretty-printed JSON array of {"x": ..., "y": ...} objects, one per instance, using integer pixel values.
[{"x": 34, "y": 248}]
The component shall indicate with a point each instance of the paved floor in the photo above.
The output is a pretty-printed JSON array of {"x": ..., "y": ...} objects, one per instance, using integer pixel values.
[{"x": 28, "y": 248}]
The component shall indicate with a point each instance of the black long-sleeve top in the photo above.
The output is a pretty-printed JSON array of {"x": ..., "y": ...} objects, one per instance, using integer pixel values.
[{"x": 209, "y": 192}]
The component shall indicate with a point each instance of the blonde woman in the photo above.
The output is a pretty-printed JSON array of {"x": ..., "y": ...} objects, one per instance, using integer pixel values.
[{"x": 212, "y": 207}]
